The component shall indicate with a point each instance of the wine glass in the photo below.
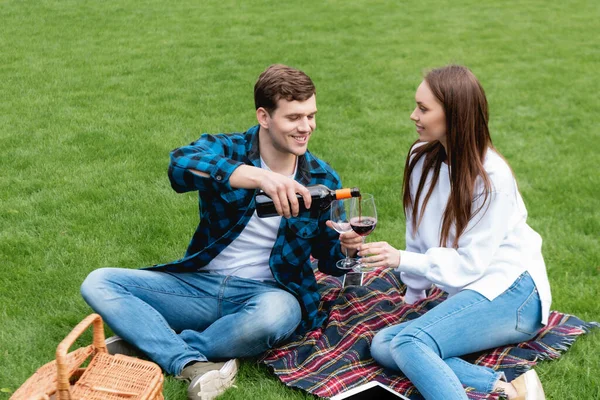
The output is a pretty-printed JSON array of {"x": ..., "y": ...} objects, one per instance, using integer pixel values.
[
  {"x": 340, "y": 221},
  {"x": 363, "y": 218}
]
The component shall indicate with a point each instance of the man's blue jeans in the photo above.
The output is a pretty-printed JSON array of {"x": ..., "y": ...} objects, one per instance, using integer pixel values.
[
  {"x": 426, "y": 349},
  {"x": 184, "y": 317}
]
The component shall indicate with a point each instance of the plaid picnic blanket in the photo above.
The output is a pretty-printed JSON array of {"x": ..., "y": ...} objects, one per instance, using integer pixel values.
[{"x": 336, "y": 357}]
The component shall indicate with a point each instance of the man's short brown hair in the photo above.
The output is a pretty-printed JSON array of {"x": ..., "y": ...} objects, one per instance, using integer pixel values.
[{"x": 281, "y": 82}]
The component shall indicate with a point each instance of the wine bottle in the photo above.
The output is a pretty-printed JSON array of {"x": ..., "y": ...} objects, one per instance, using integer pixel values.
[{"x": 321, "y": 196}]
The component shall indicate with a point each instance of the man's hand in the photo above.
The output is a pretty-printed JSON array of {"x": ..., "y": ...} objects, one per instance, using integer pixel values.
[
  {"x": 350, "y": 241},
  {"x": 379, "y": 254},
  {"x": 281, "y": 189}
]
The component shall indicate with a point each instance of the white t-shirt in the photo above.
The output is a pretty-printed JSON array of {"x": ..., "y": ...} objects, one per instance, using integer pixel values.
[
  {"x": 248, "y": 255},
  {"x": 496, "y": 247}
]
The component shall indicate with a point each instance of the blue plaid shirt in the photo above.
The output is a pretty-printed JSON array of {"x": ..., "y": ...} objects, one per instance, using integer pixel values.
[{"x": 225, "y": 211}]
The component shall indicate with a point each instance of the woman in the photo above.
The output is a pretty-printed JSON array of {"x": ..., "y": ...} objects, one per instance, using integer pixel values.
[{"x": 466, "y": 233}]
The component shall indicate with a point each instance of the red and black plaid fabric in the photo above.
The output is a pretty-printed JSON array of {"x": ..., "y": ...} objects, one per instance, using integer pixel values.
[{"x": 336, "y": 357}]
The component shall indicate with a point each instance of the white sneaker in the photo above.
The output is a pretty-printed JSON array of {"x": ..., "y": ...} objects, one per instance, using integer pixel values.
[{"x": 209, "y": 385}]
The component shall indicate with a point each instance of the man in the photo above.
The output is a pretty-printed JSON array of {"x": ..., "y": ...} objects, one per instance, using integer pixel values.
[{"x": 245, "y": 284}]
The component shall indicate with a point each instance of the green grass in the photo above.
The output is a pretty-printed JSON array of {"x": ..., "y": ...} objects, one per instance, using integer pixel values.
[{"x": 95, "y": 94}]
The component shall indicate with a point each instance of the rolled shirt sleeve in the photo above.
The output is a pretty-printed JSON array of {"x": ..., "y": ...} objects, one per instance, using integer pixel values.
[{"x": 211, "y": 155}]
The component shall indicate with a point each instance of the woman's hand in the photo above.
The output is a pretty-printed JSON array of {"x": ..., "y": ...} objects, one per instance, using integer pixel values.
[
  {"x": 379, "y": 254},
  {"x": 350, "y": 241}
]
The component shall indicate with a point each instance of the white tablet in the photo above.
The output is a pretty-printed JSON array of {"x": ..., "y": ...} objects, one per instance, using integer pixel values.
[{"x": 370, "y": 391}]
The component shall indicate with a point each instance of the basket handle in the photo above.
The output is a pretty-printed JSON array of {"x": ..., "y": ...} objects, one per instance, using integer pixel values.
[{"x": 62, "y": 376}]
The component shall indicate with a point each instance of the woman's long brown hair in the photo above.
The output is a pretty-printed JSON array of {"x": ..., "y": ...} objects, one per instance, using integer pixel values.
[{"x": 467, "y": 140}]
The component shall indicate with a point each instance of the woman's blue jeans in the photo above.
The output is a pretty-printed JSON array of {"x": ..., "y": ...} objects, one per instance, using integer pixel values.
[
  {"x": 426, "y": 349},
  {"x": 184, "y": 317}
]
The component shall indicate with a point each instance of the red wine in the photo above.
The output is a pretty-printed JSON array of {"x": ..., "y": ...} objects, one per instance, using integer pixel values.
[
  {"x": 359, "y": 207},
  {"x": 363, "y": 225}
]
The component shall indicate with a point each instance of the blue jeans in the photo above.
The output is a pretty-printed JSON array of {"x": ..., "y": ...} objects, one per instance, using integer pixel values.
[
  {"x": 184, "y": 317},
  {"x": 426, "y": 349}
]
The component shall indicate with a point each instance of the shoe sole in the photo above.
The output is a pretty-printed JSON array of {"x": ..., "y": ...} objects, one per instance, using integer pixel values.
[
  {"x": 116, "y": 345},
  {"x": 213, "y": 383}
]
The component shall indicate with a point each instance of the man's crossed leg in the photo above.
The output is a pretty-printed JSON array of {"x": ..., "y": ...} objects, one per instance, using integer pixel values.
[{"x": 194, "y": 325}]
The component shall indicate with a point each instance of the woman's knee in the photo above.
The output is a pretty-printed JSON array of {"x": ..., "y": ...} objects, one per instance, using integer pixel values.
[
  {"x": 380, "y": 348},
  {"x": 413, "y": 337},
  {"x": 381, "y": 344}
]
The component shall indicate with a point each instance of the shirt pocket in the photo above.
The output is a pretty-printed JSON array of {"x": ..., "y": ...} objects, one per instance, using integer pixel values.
[{"x": 299, "y": 234}]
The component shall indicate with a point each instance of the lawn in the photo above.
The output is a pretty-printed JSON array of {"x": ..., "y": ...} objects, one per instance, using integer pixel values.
[{"x": 96, "y": 93}]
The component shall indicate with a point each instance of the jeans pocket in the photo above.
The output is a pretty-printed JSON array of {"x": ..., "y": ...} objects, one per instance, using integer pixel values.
[{"x": 529, "y": 314}]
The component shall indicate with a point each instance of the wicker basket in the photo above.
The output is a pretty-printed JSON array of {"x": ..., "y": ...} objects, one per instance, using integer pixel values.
[{"x": 107, "y": 377}]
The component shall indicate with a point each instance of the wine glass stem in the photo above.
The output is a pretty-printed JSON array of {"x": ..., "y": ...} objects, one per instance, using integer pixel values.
[{"x": 360, "y": 264}]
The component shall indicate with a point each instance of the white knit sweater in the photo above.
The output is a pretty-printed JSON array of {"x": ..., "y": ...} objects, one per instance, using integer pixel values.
[{"x": 496, "y": 247}]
